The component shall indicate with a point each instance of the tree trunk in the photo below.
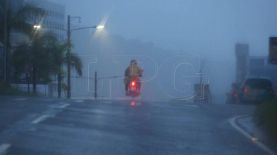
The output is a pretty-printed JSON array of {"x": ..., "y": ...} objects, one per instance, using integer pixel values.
[
  {"x": 28, "y": 82},
  {"x": 59, "y": 83},
  {"x": 34, "y": 80}
]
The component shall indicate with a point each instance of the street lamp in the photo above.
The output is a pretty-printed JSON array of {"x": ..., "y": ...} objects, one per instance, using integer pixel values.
[
  {"x": 100, "y": 27},
  {"x": 37, "y": 27},
  {"x": 69, "y": 31}
]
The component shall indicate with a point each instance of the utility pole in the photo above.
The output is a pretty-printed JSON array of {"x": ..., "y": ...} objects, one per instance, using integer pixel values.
[
  {"x": 68, "y": 58},
  {"x": 201, "y": 73},
  {"x": 69, "y": 30},
  {"x": 95, "y": 85}
]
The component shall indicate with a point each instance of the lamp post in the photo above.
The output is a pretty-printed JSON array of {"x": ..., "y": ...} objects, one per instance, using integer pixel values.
[
  {"x": 37, "y": 27},
  {"x": 69, "y": 31},
  {"x": 68, "y": 57}
]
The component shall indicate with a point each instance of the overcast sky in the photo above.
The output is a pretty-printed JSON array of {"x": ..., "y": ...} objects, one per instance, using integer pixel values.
[{"x": 192, "y": 25}]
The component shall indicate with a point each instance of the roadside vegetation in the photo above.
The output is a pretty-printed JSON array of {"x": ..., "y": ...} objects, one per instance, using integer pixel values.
[
  {"x": 266, "y": 117},
  {"x": 41, "y": 58},
  {"x": 7, "y": 90}
]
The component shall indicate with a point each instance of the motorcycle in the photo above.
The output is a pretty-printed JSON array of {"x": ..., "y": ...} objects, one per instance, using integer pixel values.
[{"x": 134, "y": 86}]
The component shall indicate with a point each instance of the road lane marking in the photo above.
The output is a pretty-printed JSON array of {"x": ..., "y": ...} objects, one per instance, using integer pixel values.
[
  {"x": 4, "y": 148},
  {"x": 255, "y": 141},
  {"x": 191, "y": 106},
  {"x": 40, "y": 119},
  {"x": 64, "y": 105},
  {"x": 20, "y": 99},
  {"x": 79, "y": 101},
  {"x": 60, "y": 105},
  {"x": 47, "y": 100}
]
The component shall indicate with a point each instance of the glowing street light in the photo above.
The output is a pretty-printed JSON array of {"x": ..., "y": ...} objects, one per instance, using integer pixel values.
[
  {"x": 100, "y": 27},
  {"x": 37, "y": 27}
]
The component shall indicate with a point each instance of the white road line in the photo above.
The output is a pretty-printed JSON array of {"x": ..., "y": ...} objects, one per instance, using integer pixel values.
[
  {"x": 20, "y": 99},
  {"x": 191, "y": 106},
  {"x": 107, "y": 102},
  {"x": 4, "y": 148},
  {"x": 261, "y": 145},
  {"x": 79, "y": 101},
  {"x": 47, "y": 100},
  {"x": 60, "y": 106},
  {"x": 40, "y": 119},
  {"x": 64, "y": 105}
]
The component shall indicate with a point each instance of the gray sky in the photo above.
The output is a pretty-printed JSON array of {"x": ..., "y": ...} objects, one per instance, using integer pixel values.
[
  {"x": 208, "y": 28},
  {"x": 190, "y": 25}
]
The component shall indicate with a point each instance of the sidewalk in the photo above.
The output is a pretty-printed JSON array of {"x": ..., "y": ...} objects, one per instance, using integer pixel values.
[{"x": 256, "y": 134}]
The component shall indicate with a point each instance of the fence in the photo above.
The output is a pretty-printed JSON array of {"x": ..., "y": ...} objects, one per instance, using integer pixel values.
[{"x": 94, "y": 86}]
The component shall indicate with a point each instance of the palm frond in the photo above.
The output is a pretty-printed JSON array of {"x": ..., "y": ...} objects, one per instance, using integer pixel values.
[
  {"x": 21, "y": 26},
  {"x": 30, "y": 12},
  {"x": 76, "y": 63}
]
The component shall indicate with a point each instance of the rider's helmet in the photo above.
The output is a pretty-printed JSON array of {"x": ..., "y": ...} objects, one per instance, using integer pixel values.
[{"x": 134, "y": 61}]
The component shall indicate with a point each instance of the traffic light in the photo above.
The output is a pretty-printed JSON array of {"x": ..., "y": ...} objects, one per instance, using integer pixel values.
[{"x": 273, "y": 50}]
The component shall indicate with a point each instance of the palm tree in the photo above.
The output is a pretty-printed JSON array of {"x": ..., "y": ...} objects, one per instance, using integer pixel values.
[
  {"x": 60, "y": 60},
  {"x": 35, "y": 59},
  {"x": 17, "y": 21},
  {"x": 45, "y": 57}
]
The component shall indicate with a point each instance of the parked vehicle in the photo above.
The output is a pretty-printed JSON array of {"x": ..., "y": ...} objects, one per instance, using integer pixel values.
[
  {"x": 255, "y": 90},
  {"x": 233, "y": 95}
]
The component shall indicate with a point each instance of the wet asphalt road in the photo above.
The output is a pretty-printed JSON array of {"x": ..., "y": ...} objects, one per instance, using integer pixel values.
[{"x": 43, "y": 126}]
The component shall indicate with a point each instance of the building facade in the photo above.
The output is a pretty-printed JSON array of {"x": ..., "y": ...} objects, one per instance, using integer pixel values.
[
  {"x": 242, "y": 54},
  {"x": 54, "y": 21}
]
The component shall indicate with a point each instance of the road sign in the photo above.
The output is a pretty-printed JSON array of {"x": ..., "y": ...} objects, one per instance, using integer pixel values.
[{"x": 273, "y": 50}]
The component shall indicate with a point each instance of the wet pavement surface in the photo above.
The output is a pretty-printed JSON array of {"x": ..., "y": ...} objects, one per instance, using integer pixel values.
[{"x": 42, "y": 126}]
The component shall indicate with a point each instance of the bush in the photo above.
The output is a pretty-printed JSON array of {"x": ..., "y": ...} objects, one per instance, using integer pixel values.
[
  {"x": 266, "y": 117},
  {"x": 7, "y": 89}
]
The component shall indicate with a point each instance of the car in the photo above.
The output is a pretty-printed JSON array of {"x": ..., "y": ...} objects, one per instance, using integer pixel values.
[
  {"x": 233, "y": 95},
  {"x": 256, "y": 90}
]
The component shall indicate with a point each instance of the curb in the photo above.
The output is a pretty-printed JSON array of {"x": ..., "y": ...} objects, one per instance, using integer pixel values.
[{"x": 254, "y": 140}]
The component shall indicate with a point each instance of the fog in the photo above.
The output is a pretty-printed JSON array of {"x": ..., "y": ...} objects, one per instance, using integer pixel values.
[{"x": 170, "y": 39}]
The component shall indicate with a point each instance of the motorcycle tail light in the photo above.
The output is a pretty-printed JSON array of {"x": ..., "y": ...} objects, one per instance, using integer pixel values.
[{"x": 133, "y": 83}]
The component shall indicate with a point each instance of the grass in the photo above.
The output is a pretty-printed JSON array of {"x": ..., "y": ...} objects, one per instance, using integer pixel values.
[{"x": 266, "y": 117}]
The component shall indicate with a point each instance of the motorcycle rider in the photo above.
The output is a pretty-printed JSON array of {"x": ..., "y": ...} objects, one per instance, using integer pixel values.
[{"x": 132, "y": 71}]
